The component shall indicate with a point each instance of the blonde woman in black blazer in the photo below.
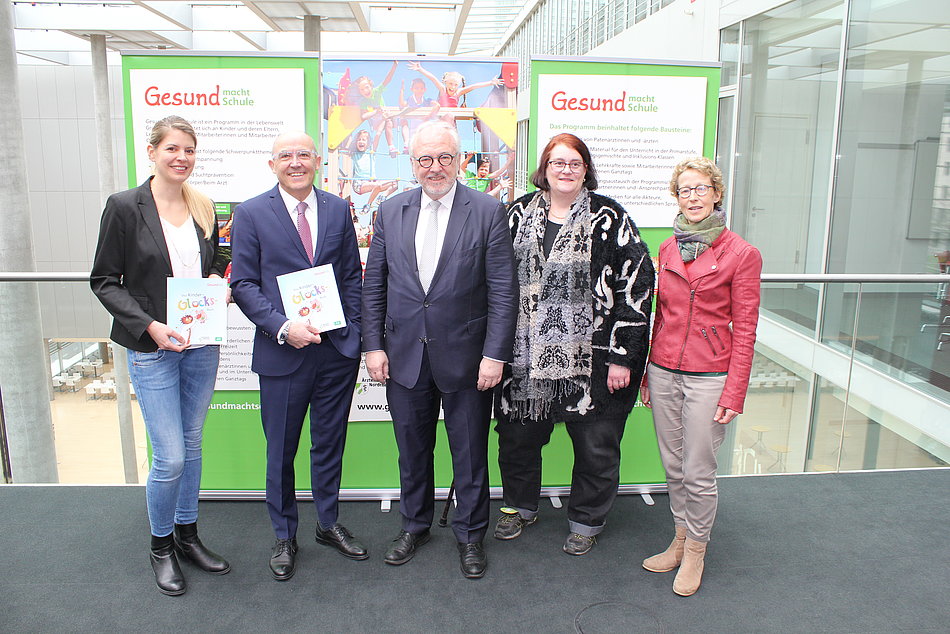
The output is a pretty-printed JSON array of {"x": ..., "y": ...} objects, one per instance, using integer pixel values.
[{"x": 164, "y": 228}]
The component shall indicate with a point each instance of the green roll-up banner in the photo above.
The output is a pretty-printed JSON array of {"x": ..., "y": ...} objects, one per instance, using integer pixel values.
[{"x": 639, "y": 119}]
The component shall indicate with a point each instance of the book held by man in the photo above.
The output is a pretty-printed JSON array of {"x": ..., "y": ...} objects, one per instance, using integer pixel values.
[
  {"x": 311, "y": 296},
  {"x": 198, "y": 310}
]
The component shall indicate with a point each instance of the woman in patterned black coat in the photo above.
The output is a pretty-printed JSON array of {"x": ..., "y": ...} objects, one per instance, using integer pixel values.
[{"x": 586, "y": 282}]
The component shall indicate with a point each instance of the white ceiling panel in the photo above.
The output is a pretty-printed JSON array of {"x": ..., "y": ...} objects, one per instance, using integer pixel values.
[
  {"x": 226, "y": 18},
  {"x": 37, "y": 40},
  {"x": 44, "y": 28},
  {"x": 114, "y": 16},
  {"x": 416, "y": 19},
  {"x": 220, "y": 41},
  {"x": 335, "y": 42}
]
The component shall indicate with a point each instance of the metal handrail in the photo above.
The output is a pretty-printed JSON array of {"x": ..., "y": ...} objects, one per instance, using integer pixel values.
[
  {"x": 858, "y": 278},
  {"x": 35, "y": 276},
  {"x": 804, "y": 278}
]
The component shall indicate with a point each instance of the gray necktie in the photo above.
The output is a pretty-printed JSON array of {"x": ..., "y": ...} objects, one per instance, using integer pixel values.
[{"x": 428, "y": 256}]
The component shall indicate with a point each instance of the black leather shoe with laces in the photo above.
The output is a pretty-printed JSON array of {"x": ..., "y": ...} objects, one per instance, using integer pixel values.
[
  {"x": 472, "y": 559},
  {"x": 340, "y": 538},
  {"x": 404, "y": 547},
  {"x": 283, "y": 559}
]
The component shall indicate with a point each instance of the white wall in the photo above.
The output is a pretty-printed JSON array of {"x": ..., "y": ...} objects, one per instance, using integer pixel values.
[
  {"x": 62, "y": 171},
  {"x": 732, "y": 11},
  {"x": 685, "y": 30}
]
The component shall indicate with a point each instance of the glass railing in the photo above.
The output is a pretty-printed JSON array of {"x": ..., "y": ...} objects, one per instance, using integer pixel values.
[
  {"x": 98, "y": 434},
  {"x": 850, "y": 373}
]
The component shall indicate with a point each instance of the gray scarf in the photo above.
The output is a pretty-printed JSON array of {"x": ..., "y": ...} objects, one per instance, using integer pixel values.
[
  {"x": 552, "y": 352},
  {"x": 694, "y": 238}
]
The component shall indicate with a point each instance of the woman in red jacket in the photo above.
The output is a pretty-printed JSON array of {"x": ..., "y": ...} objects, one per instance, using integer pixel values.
[{"x": 703, "y": 343}]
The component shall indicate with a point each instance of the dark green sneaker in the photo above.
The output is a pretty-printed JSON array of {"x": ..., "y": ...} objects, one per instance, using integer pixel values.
[
  {"x": 578, "y": 544},
  {"x": 510, "y": 524}
]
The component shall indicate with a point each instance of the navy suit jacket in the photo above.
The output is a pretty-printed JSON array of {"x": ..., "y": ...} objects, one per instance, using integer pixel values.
[
  {"x": 470, "y": 309},
  {"x": 265, "y": 244}
]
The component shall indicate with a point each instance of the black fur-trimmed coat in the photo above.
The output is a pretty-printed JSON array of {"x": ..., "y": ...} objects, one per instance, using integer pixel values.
[{"x": 622, "y": 277}]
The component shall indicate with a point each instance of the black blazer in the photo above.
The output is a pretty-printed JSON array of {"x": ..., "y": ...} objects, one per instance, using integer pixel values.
[{"x": 132, "y": 263}]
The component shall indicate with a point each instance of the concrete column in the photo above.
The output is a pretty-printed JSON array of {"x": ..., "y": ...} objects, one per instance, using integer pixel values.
[
  {"x": 311, "y": 43},
  {"x": 100, "y": 86},
  {"x": 23, "y": 359},
  {"x": 311, "y": 32},
  {"x": 49, "y": 371},
  {"x": 107, "y": 186}
]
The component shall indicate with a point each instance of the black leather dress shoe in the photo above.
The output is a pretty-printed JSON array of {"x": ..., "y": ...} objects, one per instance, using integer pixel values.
[
  {"x": 404, "y": 547},
  {"x": 473, "y": 560},
  {"x": 283, "y": 559},
  {"x": 340, "y": 538}
]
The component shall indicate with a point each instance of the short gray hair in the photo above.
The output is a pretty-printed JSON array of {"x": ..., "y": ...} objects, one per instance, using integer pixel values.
[{"x": 430, "y": 127}]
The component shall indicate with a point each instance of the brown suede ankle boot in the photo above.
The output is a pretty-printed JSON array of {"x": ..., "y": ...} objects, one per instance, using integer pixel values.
[
  {"x": 669, "y": 558},
  {"x": 690, "y": 573}
]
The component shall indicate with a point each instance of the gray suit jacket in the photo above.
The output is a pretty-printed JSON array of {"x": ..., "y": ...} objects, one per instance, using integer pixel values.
[{"x": 470, "y": 310}]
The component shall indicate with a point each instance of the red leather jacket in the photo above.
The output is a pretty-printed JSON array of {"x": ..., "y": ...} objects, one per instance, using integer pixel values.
[{"x": 705, "y": 321}]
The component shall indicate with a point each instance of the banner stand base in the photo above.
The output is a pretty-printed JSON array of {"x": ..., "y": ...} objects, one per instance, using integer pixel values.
[{"x": 388, "y": 496}]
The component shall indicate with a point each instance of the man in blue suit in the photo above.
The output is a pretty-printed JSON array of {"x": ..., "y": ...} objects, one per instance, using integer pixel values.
[
  {"x": 439, "y": 312},
  {"x": 292, "y": 227}
]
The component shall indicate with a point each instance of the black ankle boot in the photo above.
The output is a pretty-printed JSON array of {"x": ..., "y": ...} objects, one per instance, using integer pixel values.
[
  {"x": 188, "y": 544},
  {"x": 165, "y": 566}
]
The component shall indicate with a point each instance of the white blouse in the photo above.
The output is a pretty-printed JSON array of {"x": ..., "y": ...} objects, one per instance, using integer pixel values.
[{"x": 183, "y": 248}]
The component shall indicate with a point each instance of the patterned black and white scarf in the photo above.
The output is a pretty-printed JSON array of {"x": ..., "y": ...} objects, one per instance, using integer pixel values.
[{"x": 552, "y": 353}]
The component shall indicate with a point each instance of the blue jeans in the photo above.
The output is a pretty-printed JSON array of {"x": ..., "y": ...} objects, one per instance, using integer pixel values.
[{"x": 174, "y": 390}]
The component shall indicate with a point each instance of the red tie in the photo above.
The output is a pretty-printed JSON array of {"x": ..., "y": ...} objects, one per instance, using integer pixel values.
[{"x": 303, "y": 228}]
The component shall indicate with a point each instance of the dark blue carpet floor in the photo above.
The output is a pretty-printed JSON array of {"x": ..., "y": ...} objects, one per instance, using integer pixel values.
[{"x": 817, "y": 553}]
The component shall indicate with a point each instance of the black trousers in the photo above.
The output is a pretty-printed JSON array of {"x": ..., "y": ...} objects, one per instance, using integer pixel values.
[{"x": 596, "y": 473}]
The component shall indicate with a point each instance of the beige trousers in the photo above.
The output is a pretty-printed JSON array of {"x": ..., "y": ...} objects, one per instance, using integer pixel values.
[{"x": 683, "y": 411}]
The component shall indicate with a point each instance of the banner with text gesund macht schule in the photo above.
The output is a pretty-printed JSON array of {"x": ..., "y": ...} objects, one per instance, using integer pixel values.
[
  {"x": 237, "y": 105},
  {"x": 372, "y": 106},
  {"x": 639, "y": 119}
]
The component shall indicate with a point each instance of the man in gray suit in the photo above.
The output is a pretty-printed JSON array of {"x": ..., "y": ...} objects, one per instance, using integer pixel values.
[{"x": 439, "y": 311}]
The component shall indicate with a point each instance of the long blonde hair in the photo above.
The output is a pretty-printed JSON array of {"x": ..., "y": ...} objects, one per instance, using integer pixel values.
[{"x": 199, "y": 206}]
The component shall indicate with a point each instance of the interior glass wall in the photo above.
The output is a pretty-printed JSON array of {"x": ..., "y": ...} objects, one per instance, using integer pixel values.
[
  {"x": 788, "y": 84},
  {"x": 727, "y": 106},
  {"x": 809, "y": 408},
  {"x": 772, "y": 435},
  {"x": 573, "y": 27},
  {"x": 729, "y": 55},
  {"x": 892, "y": 200},
  {"x": 849, "y": 433},
  {"x": 841, "y": 164}
]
